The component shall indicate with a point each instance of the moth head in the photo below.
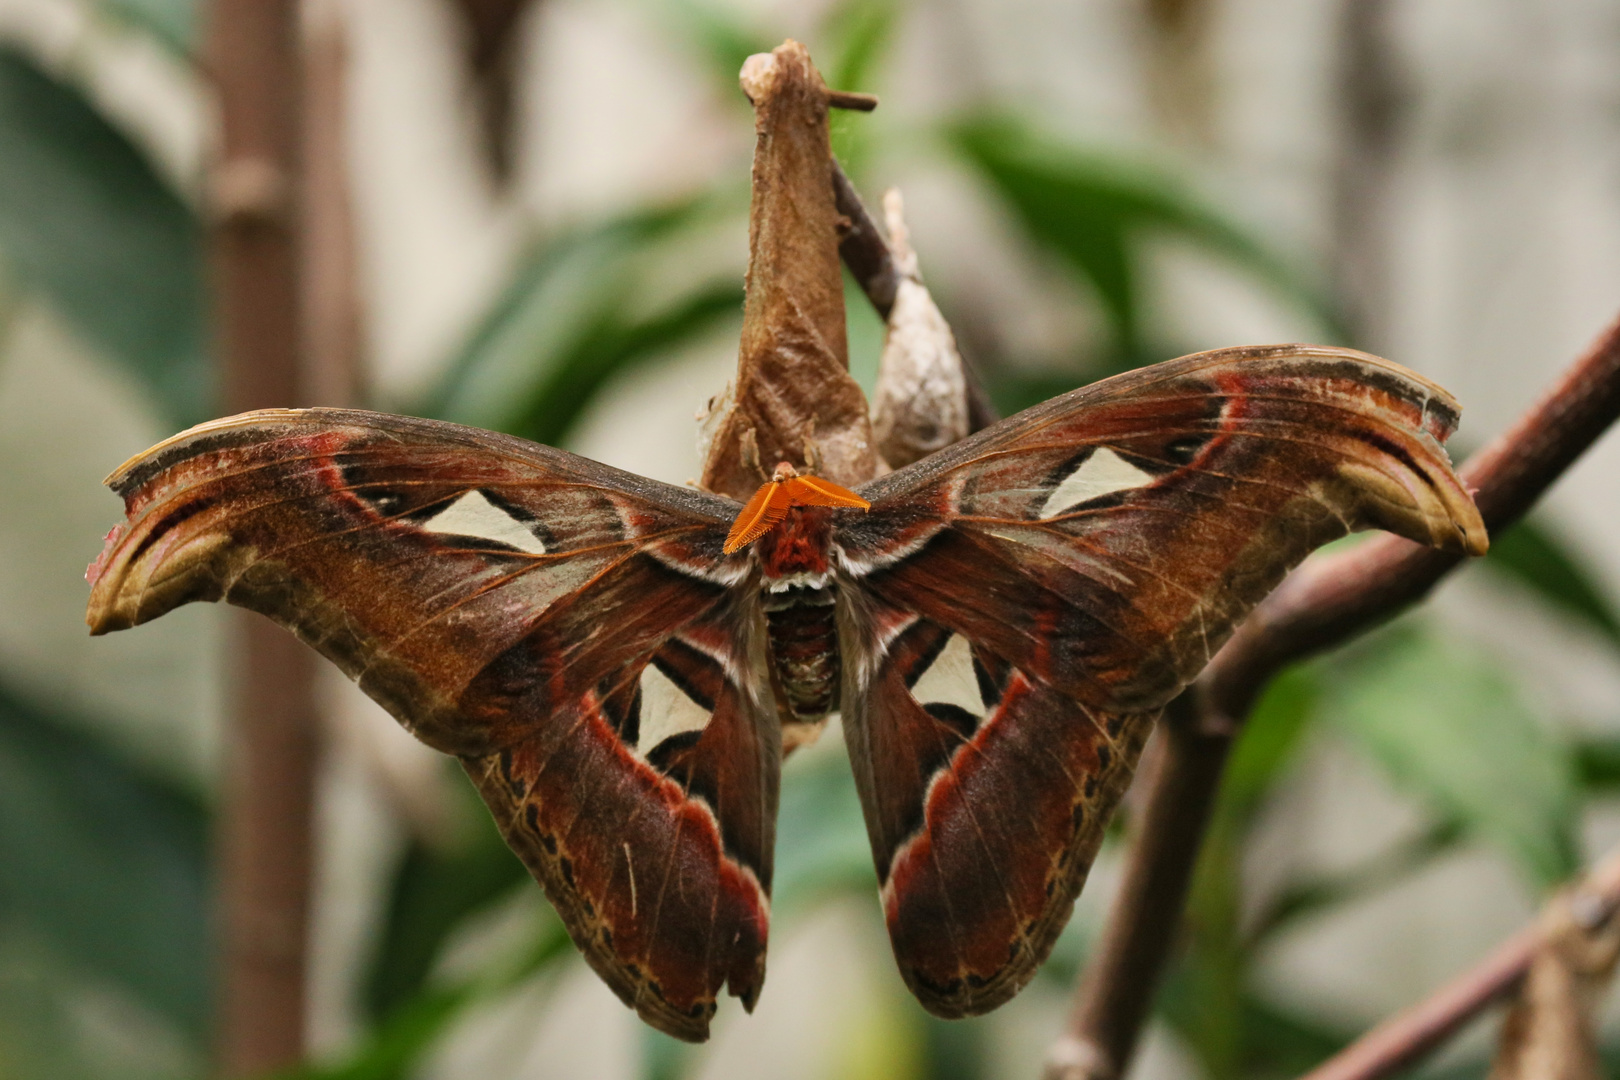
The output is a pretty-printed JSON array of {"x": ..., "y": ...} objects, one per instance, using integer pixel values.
[{"x": 785, "y": 490}]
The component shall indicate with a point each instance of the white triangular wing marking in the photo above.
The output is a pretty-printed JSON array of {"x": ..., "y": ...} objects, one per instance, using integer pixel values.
[
  {"x": 1102, "y": 473},
  {"x": 949, "y": 680},
  {"x": 474, "y": 515},
  {"x": 666, "y": 710}
]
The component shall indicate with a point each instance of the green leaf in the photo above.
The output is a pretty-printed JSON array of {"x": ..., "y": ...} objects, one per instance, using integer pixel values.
[
  {"x": 173, "y": 23},
  {"x": 956, "y": 1049},
  {"x": 1268, "y": 741},
  {"x": 1448, "y": 726},
  {"x": 608, "y": 346},
  {"x": 859, "y": 33},
  {"x": 1208, "y": 1006},
  {"x": 580, "y": 310},
  {"x": 1265, "y": 1041},
  {"x": 1013, "y": 391},
  {"x": 434, "y": 890},
  {"x": 87, "y": 221},
  {"x": 719, "y": 37},
  {"x": 664, "y": 1057},
  {"x": 398, "y": 1045},
  {"x": 1092, "y": 210},
  {"x": 1597, "y": 763},
  {"x": 107, "y": 863},
  {"x": 1278, "y": 1043},
  {"x": 821, "y": 845},
  {"x": 1302, "y": 899},
  {"x": 1533, "y": 555}
]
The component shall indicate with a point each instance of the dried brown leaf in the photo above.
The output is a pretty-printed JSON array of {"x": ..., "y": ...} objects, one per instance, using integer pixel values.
[{"x": 794, "y": 397}]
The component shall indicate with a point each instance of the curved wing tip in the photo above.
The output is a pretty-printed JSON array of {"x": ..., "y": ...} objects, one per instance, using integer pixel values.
[
  {"x": 1469, "y": 534},
  {"x": 100, "y": 622},
  {"x": 976, "y": 998},
  {"x": 676, "y": 1024}
]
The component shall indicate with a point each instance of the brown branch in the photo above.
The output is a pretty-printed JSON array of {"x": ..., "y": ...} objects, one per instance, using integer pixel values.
[
  {"x": 1325, "y": 603},
  {"x": 333, "y": 322},
  {"x": 265, "y": 819},
  {"x": 862, "y": 246},
  {"x": 1407, "y": 1036},
  {"x": 852, "y": 100}
]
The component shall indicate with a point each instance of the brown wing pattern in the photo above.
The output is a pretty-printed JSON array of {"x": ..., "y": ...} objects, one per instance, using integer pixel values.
[
  {"x": 1016, "y": 610},
  {"x": 573, "y": 633}
]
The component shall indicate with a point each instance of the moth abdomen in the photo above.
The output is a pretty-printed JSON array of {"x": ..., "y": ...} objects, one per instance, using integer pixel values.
[{"x": 803, "y": 638}]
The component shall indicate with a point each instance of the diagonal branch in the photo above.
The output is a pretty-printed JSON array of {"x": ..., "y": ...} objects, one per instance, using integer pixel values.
[
  {"x": 1407, "y": 1036},
  {"x": 1326, "y": 602}
]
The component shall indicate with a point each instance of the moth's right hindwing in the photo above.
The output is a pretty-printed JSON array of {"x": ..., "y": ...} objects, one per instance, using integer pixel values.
[{"x": 573, "y": 633}]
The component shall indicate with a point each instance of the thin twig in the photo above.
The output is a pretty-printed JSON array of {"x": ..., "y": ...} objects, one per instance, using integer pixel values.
[
  {"x": 1412, "y": 1033},
  {"x": 863, "y": 248},
  {"x": 852, "y": 100},
  {"x": 1325, "y": 603}
]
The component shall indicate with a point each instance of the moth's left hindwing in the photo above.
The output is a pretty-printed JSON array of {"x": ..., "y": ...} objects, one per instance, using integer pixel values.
[
  {"x": 1016, "y": 609},
  {"x": 572, "y": 633}
]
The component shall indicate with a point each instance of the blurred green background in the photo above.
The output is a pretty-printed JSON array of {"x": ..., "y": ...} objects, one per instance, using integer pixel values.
[{"x": 1090, "y": 187}]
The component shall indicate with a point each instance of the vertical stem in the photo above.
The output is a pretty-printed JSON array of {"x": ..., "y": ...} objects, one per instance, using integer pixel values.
[
  {"x": 332, "y": 306},
  {"x": 265, "y": 843},
  {"x": 492, "y": 31},
  {"x": 271, "y": 740}
]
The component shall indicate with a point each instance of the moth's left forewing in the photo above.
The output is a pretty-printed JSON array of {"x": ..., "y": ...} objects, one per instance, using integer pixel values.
[
  {"x": 574, "y": 634},
  {"x": 1089, "y": 556}
]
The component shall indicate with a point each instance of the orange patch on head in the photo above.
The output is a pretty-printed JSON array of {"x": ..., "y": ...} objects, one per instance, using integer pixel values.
[{"x": 771, "y": 503}]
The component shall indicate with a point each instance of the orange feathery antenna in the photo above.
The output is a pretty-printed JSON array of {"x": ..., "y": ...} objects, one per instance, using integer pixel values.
[{"x": 783, "y": 491}]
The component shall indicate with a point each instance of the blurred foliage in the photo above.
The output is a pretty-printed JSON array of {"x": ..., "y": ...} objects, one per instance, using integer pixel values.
[
  {"x": 1534, "y": 555},
  {"x": 1447, "y": 724},
  {"x": 400, "y": 1042},
  {"x": 436, "y": 887},
  {"x": 103, "y": 861},
  {"x": 88, "y": 222},
  {"x": 171, "y": 23},
  {"x": 105, "y": 864},
  {"x": 580, "y": 309},
  {"x": 1094, "y": 211}
]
